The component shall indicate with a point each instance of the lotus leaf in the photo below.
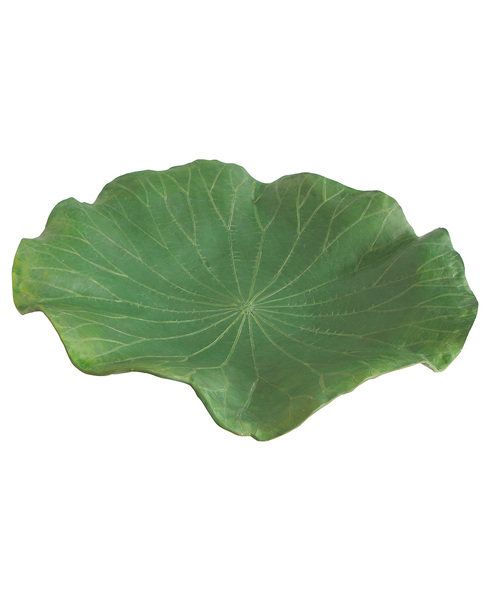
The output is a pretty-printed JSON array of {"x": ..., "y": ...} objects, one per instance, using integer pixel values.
[{"x": 268, "y": 299}]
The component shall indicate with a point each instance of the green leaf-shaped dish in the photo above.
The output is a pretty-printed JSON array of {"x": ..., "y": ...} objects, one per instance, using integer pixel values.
[{"x": 269, "y": 299}]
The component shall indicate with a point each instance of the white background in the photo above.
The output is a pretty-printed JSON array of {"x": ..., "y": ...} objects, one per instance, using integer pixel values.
[{"x": 123, "y": 487}]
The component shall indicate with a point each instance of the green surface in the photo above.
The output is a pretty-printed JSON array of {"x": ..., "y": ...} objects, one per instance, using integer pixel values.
[{"x": 269, "y": 299}]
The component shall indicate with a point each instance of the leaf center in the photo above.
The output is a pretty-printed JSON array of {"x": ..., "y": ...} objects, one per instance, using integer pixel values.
[{"x": 247, "y": 308}]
